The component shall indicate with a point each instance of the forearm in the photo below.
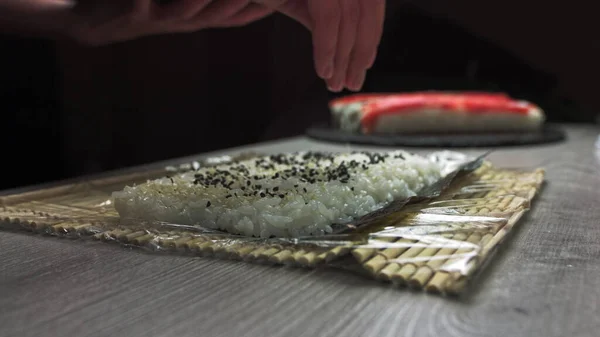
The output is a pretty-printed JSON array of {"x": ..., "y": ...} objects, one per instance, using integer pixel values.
[{"x": 38, "y": 18}]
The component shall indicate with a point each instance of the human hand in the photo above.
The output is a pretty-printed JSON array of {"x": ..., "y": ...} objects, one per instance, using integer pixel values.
[
  {"x": 346, "y": 35},
  {"x": 99, "y": 22}
]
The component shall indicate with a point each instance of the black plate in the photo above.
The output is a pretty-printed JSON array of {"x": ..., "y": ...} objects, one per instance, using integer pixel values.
[{"x": 548, "y": 134}]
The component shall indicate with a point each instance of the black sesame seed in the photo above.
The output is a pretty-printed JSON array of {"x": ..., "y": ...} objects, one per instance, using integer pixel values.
[
  {"x": 262, "y": 195},
  {"x": 275, "y": 189},
  {"x": 208, "y": 204}
]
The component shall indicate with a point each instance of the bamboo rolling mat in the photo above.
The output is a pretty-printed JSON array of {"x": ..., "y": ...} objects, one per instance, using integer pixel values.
[{"x": 434, "y": 246}]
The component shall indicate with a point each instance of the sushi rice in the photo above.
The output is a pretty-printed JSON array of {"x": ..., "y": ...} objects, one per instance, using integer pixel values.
[{"x": 288, "y": 195}]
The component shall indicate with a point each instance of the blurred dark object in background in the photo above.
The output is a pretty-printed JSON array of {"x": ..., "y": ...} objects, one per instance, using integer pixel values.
[
  {"x": 32, "y": 150},
  {"x": 422, "y": 51},
  {"x": 71, "y": 110}
]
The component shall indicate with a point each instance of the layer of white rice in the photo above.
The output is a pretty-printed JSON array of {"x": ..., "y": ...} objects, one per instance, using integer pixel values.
[{"x": 266, "y": 200}]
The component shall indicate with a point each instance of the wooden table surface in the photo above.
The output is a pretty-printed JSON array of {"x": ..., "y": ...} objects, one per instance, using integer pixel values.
[{"x": 544, "y": 282}]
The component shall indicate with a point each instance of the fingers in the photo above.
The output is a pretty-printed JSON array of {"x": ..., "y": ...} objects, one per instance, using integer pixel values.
[
  {"x": 252, "y": 13},
  {"x": 326, "y": 26},
  {"x": 345, "y": 43},
  {"x": 370, "y": 29}
]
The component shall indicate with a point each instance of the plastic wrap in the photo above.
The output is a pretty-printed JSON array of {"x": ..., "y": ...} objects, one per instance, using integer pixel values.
[{"x": 435, "y": 241}]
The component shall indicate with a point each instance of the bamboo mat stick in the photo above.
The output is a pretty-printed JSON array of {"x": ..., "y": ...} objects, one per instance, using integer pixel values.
[
  {"x": 409, "y": 273},
  {"x": 294, "y": 257},
  {"x": 143, "y": 240},
  {"x": 425, "y": 270},
  {"x": 363, "y": 254},
  {"x": 253, "y": 255},
  {"x": 440, "y": 279},
  {"x": 310, "y": 259},
  {"x": 409, "y": 268},
  {"x": 398, "y": 273},
  {"x": 239, "y": 253},
  {"x": 220, "y": 247},
  {"x": 80, "y": 228},
  {"x": 394, "y": 271},
  {"x": 266, "y": 255},
  {"x": 231, "y": 250},
  {"x": 186, "y": 242},
  {"x": 375, "y": 264},
  {"x": 445, "y": 282},
  {"x": 429, "y": 277},
  {"x": 282, "y": 256},
  {"x": 113, "y": 235},
  {"x": 334, "y": 253}
]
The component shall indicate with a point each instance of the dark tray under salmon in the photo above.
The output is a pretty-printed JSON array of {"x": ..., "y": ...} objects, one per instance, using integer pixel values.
[{"x": 548, "y": 134}]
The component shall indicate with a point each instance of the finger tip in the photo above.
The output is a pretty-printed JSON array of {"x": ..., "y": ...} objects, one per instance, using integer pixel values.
[
  {"x": 335, "y": 89},
  {"x": 325, "y": 77},
  {"x": 324, "y": 69},
  {"x": 354, "y": 88},
  {"x": 334, "y": 85},
  {"x": 356, "y": 83}
]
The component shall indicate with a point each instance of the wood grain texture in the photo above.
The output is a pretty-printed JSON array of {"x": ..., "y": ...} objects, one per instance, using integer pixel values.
[{"x": 544, "y": 282}]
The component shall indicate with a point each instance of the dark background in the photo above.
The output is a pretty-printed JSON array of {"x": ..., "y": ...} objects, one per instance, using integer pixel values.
[{"x": 70, "y": 110}]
